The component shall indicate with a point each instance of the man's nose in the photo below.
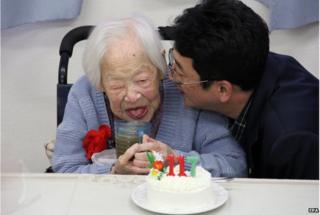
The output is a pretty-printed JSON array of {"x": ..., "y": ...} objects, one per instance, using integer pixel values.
[{"x": 132, "y": 95}]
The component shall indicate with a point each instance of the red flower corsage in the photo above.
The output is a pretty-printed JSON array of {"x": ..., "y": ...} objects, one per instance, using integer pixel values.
[{"x": 96, "y": 141}]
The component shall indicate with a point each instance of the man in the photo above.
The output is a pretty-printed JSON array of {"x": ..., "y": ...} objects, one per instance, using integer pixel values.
[{"x": 221, "y": 62}]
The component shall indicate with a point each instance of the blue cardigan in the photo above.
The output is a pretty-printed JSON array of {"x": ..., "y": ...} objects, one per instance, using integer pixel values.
[{"x": 188, "y": 131}]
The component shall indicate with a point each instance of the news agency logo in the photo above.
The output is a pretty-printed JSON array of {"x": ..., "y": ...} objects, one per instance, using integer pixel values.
[{"x": 313, "y": 210}]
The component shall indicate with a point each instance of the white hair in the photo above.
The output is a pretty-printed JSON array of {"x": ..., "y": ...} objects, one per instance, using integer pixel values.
[{"x": 104, "y": 34}]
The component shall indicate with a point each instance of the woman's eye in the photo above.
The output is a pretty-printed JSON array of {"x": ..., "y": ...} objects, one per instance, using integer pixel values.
[
  {"x": 143, "y": 82},
  {"x": 116, "y": 87}
]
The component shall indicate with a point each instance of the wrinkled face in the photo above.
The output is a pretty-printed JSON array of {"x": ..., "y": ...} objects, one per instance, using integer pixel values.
[{"x": 130, "y": 81}]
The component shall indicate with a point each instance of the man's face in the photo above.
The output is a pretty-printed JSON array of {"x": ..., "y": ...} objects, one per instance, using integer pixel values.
[
  {"x": 130, "y": 81},
  {"x": 183, "y": 72}
]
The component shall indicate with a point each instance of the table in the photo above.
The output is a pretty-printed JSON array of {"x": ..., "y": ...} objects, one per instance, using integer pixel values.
[{"x": 78, "y": 194}]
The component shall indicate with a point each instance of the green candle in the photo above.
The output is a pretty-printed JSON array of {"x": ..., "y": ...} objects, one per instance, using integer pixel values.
[
  {"x": 151, "y": 158},
  {"x": 193, "y": 160}
]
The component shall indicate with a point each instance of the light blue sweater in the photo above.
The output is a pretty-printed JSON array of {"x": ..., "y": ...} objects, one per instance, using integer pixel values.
[{"x": 188, "y": 131}]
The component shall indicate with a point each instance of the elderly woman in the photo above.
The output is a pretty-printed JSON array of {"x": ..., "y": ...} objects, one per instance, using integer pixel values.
[{"x": 126, "y": 79}]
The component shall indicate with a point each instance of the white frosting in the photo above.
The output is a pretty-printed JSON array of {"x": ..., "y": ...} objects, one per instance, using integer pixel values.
[{"x": 179, "y": 191}]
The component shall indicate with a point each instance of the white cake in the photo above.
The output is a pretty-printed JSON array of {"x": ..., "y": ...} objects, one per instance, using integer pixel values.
[{"x": 179, "y": 191}]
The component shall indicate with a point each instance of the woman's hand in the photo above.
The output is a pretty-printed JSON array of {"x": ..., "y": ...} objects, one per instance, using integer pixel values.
[
  {"x": 125, "y": 163},
  {"x": 149, "y": 144},
  {"x": 135, "y": 161}
]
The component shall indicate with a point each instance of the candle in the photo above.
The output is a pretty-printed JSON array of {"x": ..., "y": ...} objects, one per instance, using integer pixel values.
[
  {"x": 151, "y": 159},
  {"x": 193, "y": 160},
  {"x": 170, "y": 159},
  {"x": 181, "y": 165}
]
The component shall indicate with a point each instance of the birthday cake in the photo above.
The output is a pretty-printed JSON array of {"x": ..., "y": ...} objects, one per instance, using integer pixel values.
[{"x": 176, "y": 189}]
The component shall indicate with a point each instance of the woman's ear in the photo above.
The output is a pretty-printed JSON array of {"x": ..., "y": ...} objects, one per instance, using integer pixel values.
[
  {"x": 224, "y": 90},
  {"x": 163, "y": 52},
  {"x": 160, "y": 74},
  {"x": 100, "y": 87}
]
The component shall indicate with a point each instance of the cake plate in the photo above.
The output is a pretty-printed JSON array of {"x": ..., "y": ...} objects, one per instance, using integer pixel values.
[{"x": 139, "y": 197}]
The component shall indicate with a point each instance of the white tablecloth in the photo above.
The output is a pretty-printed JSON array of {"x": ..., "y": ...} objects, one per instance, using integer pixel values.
[{"x": 110, "y": 194}]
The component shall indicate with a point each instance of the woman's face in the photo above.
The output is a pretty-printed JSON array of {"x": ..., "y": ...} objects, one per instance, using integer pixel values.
[{"x": 131, "y": 82}]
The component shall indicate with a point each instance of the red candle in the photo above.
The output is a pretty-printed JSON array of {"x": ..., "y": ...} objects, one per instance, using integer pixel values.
[
  {"x": 181, "y": 166},
  {"x": 170, "y": 159}
]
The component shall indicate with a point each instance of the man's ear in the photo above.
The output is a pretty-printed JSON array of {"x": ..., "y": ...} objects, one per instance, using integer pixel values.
[{"x": 224, "y": 90}]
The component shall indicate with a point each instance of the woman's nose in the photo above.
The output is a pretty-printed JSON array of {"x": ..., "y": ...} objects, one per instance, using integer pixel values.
[{"x": 132, "y": 95}]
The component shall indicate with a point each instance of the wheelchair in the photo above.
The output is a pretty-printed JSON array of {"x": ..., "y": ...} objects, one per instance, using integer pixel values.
[{"x": 63, "y": 87}]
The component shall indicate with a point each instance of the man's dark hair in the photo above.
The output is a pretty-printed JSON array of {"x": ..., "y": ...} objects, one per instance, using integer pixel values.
[{"x": 226, "y": 41}]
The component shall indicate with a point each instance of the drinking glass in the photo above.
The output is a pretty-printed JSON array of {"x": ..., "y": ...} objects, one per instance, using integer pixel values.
[{"x": 128, "y": 133}]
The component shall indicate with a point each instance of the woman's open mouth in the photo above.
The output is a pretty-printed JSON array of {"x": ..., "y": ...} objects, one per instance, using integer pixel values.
[{"x": 137, "y": 112}]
